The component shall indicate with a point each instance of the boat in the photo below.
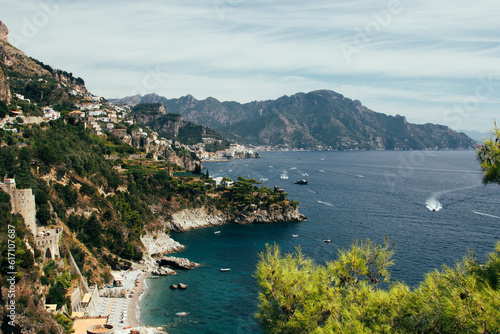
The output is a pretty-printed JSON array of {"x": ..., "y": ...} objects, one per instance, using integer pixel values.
[
  {"x": 295, "y": 235},
  {"x": 327, "y": 240},
  {"x": 284, "y": 175},
  {"x": 225, "y": 269},
  {"x": 216, "y": 232},
  {"x": 301, "y": 181}
]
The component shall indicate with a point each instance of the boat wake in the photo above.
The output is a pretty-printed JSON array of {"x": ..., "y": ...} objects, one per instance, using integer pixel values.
[
  {"x": 325, "y": 203},
  {"x": 485, "y": 214},
  {"x": 433, "y": 204}
]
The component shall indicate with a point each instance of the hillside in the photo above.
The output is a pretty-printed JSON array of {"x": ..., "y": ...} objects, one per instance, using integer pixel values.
[
  {"x": 99, "y": 192},
  {"x": 320, "y": 119},
  {"x": 174, "y": 127}
]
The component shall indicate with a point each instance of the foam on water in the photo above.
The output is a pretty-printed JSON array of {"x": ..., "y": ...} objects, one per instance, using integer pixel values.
[{"x": 433, "y": 204}]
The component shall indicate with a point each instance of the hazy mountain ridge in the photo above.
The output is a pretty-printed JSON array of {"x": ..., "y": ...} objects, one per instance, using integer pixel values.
[{"x": 319, "y": 119}]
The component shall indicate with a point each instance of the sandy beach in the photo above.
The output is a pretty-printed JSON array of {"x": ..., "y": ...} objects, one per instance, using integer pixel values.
[
  {"x": 120, "y": 305},
  {"x": 133, "y": 318}
]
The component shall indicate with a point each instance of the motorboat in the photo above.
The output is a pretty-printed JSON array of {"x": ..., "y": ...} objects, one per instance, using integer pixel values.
[{"x": 301, "y": 181}]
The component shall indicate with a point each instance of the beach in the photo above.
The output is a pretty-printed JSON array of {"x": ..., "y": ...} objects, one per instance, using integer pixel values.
[
  {"x": 120, "y": 305},
  {"x": 133, "y": 318}
]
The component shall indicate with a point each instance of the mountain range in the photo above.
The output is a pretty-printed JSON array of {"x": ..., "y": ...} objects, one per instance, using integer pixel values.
[{"x": 321, "y": 119}]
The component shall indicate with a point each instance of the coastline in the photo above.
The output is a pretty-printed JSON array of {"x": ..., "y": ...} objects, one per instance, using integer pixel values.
[
  {"x": 132, "y": 318},
  {"x": 133, "y": 310}
]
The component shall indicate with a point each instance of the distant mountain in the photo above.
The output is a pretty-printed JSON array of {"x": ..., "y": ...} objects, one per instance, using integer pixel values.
[
  {"x": 319, "y": 119},
  {"x": 478, "y": 136}
]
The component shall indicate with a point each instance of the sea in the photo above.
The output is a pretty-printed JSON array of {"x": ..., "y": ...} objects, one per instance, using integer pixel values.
[{"x": 433, "y": 203}]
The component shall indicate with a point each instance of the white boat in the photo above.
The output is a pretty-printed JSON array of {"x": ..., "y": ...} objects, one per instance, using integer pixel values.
[
  {"x": 181, "y": 314},
  {"x": 216, "y": 232},
  {"x": 295, "y": 235},
  {"x": 327, "y": 240},
  {"x": 225, "y": 269}
]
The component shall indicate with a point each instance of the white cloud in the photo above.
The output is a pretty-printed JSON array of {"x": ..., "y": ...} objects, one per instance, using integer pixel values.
[{"x": 424, "y": 56}]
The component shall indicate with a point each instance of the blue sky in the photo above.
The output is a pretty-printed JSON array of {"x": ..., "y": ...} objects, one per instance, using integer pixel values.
[{"x": 431, "y": 61}]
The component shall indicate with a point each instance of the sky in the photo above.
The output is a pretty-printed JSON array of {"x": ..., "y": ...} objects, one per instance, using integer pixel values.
[{"x": 431, "y": 61}]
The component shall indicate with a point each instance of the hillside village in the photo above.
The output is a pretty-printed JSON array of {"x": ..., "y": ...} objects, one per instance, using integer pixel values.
[{"x": 104, "y": 118}]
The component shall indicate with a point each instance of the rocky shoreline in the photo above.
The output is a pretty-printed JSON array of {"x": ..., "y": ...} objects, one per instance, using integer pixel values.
[
  {"x": 159, "y": 243},
  {"x": 189, "y": 219}
]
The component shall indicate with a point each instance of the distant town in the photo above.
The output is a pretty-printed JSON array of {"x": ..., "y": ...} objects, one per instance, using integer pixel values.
[{"x": 103, "y": 118}]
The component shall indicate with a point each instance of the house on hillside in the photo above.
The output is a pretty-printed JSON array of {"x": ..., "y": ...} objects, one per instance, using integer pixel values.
[
  {"x": 50, "y": 114},
  {"x": 77, "y": 114}
]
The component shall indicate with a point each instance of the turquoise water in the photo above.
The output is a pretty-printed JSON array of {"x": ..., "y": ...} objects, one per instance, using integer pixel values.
[{"x": 349, "y": 195}]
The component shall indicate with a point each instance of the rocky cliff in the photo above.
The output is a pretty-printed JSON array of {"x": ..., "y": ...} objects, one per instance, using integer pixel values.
[
  {"x": 201, "y": 217},
  {"x": 4, "y": 83},
  {"x": 195, "y": 218},
  {"x": 25, "y": 73},
  {"x": 4, "y": 32}
]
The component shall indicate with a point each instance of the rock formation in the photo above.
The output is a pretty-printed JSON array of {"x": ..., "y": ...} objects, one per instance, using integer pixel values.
[
  {"x": 4, "y": 32},
  {"x": 4, "y": 83},
  {"x": 200, "y": 217},
  {"x": 176, "y": 262},
  {"x": 158, "y": 243},
  {"x": 195, "y": 218}
]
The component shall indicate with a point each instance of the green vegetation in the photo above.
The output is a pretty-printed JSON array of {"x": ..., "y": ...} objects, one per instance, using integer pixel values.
[
  {"x": 171, "y": 126},
  {"x": 28, "y": 295},
  {"x": 353, "y": 294},
  {"x": 489, "y": 157},
  {"x": 244, "y": 193}
]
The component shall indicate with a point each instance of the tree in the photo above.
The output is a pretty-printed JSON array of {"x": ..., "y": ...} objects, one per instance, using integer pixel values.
[
  {"x": 489, "y": 156},
  {"x": 346, "y": 295},
  {"x": 197, "y": 169},
  {"x": 4, "y": 110}
]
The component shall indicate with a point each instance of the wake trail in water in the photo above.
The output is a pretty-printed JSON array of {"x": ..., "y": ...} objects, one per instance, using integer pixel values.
[
  {"x": 325, "y": 203},
  {"x": 485, "y": 214},
  {"x": 433, "y": 204}
]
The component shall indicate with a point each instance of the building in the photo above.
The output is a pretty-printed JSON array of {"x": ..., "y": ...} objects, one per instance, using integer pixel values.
[
  {"x": 22, "y": 202},
  {"x": 50, "y": 114},
  {"x": 77, "y": 114}
]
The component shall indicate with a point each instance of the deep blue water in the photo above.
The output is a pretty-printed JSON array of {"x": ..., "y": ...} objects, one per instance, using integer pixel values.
[{"x": 350, "y": 195}]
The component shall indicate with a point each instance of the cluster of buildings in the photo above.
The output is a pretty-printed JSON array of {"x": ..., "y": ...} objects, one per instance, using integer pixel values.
[
  {"x": 102, "y": 118},
  {"x": 235, "y": 151}
]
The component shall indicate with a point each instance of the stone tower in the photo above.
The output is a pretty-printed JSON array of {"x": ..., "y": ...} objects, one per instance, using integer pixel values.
[{"x": 22, "y": 202}]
